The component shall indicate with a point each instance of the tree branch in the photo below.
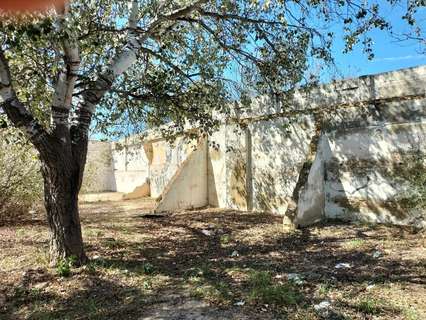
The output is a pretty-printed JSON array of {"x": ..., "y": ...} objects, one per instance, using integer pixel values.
[
  {"x": 123, "y": 61},
  {"x": 224, "y": 16},
  {"x": 67, "y": 77},
  {"x": 15, "y": 110},
  {"x": 226, "y": 46},
  {"x": 168, "y": 62}
]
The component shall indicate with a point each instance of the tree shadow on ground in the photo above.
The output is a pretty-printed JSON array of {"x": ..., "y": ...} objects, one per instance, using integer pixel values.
[
  {"x": 314, "y": 258},
  {"x": 94, "y": 298},
  {"x": 196, "y": 263}
]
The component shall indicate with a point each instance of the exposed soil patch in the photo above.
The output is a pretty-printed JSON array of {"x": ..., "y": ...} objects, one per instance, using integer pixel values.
[{"x": 214, "y": 264}]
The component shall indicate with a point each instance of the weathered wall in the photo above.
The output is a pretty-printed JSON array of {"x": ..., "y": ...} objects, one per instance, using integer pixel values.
[
  {"x": 372, "y": 128},
  {"x": 371, "y": 133},
  {"x": 372, "y": 155},
  {"x": 216, "y": 169},
  {"x": 279, "y": 152},
  {"x": 188, "y": 187},
  {"x": 370, "y": 168},
  {"x": 166, "y": 161},
  {"x": 99, "y": 172},
  {"x": 256, "y": 167},
  {"x": 130, "y": 163},
  {"x": 235, "y": 161},
  {"x": 311, "y": 200}
]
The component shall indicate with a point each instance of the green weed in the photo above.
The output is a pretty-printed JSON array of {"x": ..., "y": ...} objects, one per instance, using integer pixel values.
[
  {"x": 355, "y": 243},
  {"x": 370, "y": 306},
  {"x": 225, "y": 239},
  {"x": 323, "y": 289},
  {"x": 148, "y": 268},
  {"x": 218, "y": 292},
  {"x": 266, "y": 291},
  {"x": 411, "y": 314},
  {"x": 63, "y": 267}
]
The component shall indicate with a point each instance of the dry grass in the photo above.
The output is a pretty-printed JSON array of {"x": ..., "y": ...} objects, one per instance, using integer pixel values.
[{"x": 140, "y": 265}]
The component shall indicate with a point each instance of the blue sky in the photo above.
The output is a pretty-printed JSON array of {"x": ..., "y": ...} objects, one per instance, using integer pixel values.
[{"x": 390, "y": 54}]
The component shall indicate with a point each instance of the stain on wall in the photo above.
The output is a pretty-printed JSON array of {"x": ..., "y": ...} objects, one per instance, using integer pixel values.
[{"x": 262, "y": 157}]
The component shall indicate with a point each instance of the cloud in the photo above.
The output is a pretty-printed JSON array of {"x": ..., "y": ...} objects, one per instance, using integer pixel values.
[{"x": 409, "y": 57}]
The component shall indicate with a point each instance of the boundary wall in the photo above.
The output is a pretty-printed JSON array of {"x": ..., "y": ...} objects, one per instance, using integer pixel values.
[{"x": 348, "y": 150}]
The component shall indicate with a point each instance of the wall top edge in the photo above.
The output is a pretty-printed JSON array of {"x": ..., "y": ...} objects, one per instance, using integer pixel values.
[{"x": 397, "y": 84}]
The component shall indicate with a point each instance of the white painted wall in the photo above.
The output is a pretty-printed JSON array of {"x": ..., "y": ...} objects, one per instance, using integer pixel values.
[
  {"x": 188, "y": 187},
  {"x": 363, "y": 177},
  {"x": 99, "y": 172},
  {"x": 279, "y": 150},
  {"x": 312, "y": 197},
  {"x": 236, "y": 167},
  {"x": 370, "y": 123},
  {"x": 216, "y": 169},
  {"x": 166, "y": 160},
  {"x": 131, "y": 166}
]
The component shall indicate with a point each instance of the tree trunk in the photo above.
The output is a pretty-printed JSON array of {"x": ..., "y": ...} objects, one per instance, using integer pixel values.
[{"x": 62, "y": 180}]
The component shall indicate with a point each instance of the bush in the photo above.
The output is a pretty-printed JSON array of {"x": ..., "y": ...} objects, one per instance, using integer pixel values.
[
  {"x": 414, "y": 172},
  {"x": 411, "y": 176},
  {"x": 21, "y": 186}
]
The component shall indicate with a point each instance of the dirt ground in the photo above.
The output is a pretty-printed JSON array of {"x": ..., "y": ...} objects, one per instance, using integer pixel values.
[{"x": 213, "y": 264}]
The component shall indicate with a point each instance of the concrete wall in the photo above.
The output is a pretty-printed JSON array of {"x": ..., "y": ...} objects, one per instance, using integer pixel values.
[
  {"x": 216, "y": 169},
  {"x": 188, "y": 187},
  {"x": 99, "y": 172},
  {"x": 279, "y": 152},
  {"x": 370, "y": 168},
  {"x": 256, "y": 167},
  {"x": 372, "y": 154},
  {"x": 345, "y": 150},
  {"x": 130, "y": 163},
  {"x": 174, "y": 173},
  {"x": 235, "y": 161},
  {"x": 166, "y": 161}
]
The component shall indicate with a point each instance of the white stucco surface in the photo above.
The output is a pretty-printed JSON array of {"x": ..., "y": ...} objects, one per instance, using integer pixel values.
[
  {"x": 216, "y": 169},
  {"x": 364, "y": 176},
  {"x": 188, "y": 187},
  {"x": 166, "y": 161},
  {"x": 131, "y": 167},
  {"x": 311, "y": 206},
  {"x": 279, "y": 150},
  {"x": 99, "y": 172},
  {"x": 266, "y": 157}
]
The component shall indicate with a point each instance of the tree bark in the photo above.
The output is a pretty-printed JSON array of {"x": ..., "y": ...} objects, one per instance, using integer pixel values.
[
  {"x": 62, "y": 180},
  {"x": 63, "y": 146}
]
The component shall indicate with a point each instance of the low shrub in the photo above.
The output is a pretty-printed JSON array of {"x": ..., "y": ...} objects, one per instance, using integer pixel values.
[{"x": 21, "y": 186}]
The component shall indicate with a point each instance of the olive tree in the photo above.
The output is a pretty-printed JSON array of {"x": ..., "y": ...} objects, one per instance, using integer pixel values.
[{"x": 101, "y": 63}]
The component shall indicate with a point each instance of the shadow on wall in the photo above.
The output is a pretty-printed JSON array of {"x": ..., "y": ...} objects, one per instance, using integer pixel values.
[
  {"x": 166, "y": 160},
  {"x": 377, "y": 164},
  {"x": 99, "y": 171},
  {"x": 377, "y": 141},
  {"x": 238, "y": 178},
  {"x": 378, "y": 174},
  {"x": 280, "y": 149},
  {"x": 213, "y": 153},
  {"x": 188, "y": 187}
]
